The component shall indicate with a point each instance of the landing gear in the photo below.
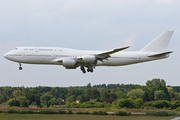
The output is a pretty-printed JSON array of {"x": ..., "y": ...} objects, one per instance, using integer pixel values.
[
  {"x": 20, "y": 68},
  {"x": 83, "y": 69},
  {"x": 90, "y": 69}
]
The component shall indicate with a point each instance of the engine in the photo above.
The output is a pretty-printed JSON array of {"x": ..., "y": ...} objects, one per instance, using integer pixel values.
[
  {"x": 89, "y": 59},
  {"x": 69, "y": 64}
]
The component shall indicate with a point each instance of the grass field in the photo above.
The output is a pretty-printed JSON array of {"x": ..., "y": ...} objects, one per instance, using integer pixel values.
[{"x": 5, "y": 116}]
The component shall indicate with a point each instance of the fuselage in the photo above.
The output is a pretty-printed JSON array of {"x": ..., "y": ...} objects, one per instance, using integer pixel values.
[{"x": 47, "y": 55}]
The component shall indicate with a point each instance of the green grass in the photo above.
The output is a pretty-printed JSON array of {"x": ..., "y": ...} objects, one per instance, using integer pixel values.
[{"x": 5, "y": 116}]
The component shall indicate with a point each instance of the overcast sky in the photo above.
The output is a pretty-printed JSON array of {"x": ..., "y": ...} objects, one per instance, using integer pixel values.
[{"x": 93, "y": 25}]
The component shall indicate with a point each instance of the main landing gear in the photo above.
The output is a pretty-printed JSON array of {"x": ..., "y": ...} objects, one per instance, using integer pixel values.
[
  {"x": 83, "y": 69},
  {"x": 20, "y": 68},
  {"x": 88, "y": 69}
]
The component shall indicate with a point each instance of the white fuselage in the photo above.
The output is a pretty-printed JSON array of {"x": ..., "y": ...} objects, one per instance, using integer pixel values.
[{"x": 47, "y": 55}]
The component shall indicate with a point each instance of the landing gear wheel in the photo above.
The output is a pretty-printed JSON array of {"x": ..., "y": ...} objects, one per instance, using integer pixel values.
[
  {"x": 20, "y": 68},
  {"x": 90, "y": 69},
  {"x": 83, "y": 70}
]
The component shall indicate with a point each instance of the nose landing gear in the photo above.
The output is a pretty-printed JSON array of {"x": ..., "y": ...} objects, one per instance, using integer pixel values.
[{"x": 20, "y": 68}]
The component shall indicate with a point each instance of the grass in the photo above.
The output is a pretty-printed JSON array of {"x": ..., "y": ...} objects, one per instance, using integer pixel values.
[{"x": 5, "y": 116}]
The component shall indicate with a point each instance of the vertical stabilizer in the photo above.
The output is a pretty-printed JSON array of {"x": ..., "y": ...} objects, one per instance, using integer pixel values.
[{"x": 160, "y": 43}]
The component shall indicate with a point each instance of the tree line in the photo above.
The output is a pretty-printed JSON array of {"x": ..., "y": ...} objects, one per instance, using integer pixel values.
[{"x": 111, "y": 95}]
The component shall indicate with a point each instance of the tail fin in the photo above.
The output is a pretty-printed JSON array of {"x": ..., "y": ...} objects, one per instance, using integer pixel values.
[{"x": 160, "y": 43}]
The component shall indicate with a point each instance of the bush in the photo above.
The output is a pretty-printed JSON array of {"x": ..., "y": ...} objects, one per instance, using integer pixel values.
[
  {"x": 23, "y": 112},
  {"x": 95, "y": 113},
  {"x": 87, "y": 113},
  {"x": 79, "y": 112},
  {"x": 30, "y": 112},
  {"x": 12, "y": 111},
  {"x": 162, "y": 113},
  {"x": 122, "y": 113},
  {"x": 175, "y": 104},
  {"x": 128, "y": 103},
  {"x": 70, "y": 112},
  {"x": 62, "y": 112},
  {"x": 47, "y": 112},
  {"x": 101, "y": 113},
  {"x": 161, "y": 104}
]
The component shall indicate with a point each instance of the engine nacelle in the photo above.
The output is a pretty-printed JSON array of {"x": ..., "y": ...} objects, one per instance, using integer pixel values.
[
  {"x": 89, "y": 59},
  {"x": 69, "y": 64}
]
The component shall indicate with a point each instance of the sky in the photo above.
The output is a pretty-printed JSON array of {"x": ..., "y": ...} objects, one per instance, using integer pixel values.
[{"x": 88, "y": 25}]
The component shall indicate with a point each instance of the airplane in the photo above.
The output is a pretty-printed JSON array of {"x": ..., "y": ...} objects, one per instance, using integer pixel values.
[{"x": 73, "y": 58}]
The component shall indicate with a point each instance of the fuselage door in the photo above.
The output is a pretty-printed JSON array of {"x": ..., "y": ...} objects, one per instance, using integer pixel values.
[{"x": 37, "y": 49}]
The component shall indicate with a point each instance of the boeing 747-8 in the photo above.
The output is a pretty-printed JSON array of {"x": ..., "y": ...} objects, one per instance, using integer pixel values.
[{"x": 72, "y": 58}]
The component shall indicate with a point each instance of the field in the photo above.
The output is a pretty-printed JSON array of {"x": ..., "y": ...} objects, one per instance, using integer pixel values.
[{"x": 5, "y": 116}]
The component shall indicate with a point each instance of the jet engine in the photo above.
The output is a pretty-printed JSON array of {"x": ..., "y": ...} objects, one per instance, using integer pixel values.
[
  {"x": 69, "y": 64},
  {"x": 89, "y": 59}
]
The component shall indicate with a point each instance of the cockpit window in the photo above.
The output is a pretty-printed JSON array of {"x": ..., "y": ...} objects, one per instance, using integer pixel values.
[{"x": 15, "y": 48}]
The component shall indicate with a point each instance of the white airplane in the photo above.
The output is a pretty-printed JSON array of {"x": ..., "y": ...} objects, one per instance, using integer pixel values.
[{"x": 72, "y": 58}]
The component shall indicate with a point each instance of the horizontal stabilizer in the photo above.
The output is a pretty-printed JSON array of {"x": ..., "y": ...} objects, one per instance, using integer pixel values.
[{"x": 160, "y": 54}]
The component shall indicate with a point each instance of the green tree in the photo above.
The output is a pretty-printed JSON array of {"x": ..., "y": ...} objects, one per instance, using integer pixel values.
[
  {"x": 176, "y": 96},
  {"x": 120, "y": 95},
  {"x": 71, "y": 98},
  {"x": 24, "y": 103},
  {"x": 104, "y": 96},
  {"x": 16, "y": 93},
  {"x": 159, "y": 95},
  {"x": 46, "y": 98},
  {"x": 155, "y": 85},
  {"x": 13, "y": 102},
  {"x": 136, "y": 93},
  {"x": 1, "y": 99},
  {"x": 138, "y": 102}
]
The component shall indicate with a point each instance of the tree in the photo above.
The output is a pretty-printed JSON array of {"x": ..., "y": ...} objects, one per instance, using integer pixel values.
[
  {"x": 1, "y": 99},
  {"x": 176, "y": 96},
  {"x": 159, "y": 95},
  {"x": 120, "y": 95},
  {"x": 136, "y": 93},
  {"x": 46, "y": 98},
  {"x": 13, "y": 102},
  {"x": 24, "y": 103},
  {"x": 138, "y": 102},
  {"x": 71, "y": 98},
  {"x": 16, "y": 93},
  {"x": 104, "y": 96},
  {"x": 155, "y": 85},
  {"x": 95, "y": 94},
  {"x": 82, "y": 99}
]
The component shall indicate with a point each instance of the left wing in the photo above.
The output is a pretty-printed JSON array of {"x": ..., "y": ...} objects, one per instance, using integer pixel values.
[{"x": 106, "y": 54}]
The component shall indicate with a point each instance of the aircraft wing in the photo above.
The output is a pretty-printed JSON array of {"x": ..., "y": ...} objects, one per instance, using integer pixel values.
[{"x": 106, "y": 54}]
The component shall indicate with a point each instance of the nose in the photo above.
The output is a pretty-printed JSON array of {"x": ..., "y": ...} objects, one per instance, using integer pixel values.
[{"x": 5, "y": 55}]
